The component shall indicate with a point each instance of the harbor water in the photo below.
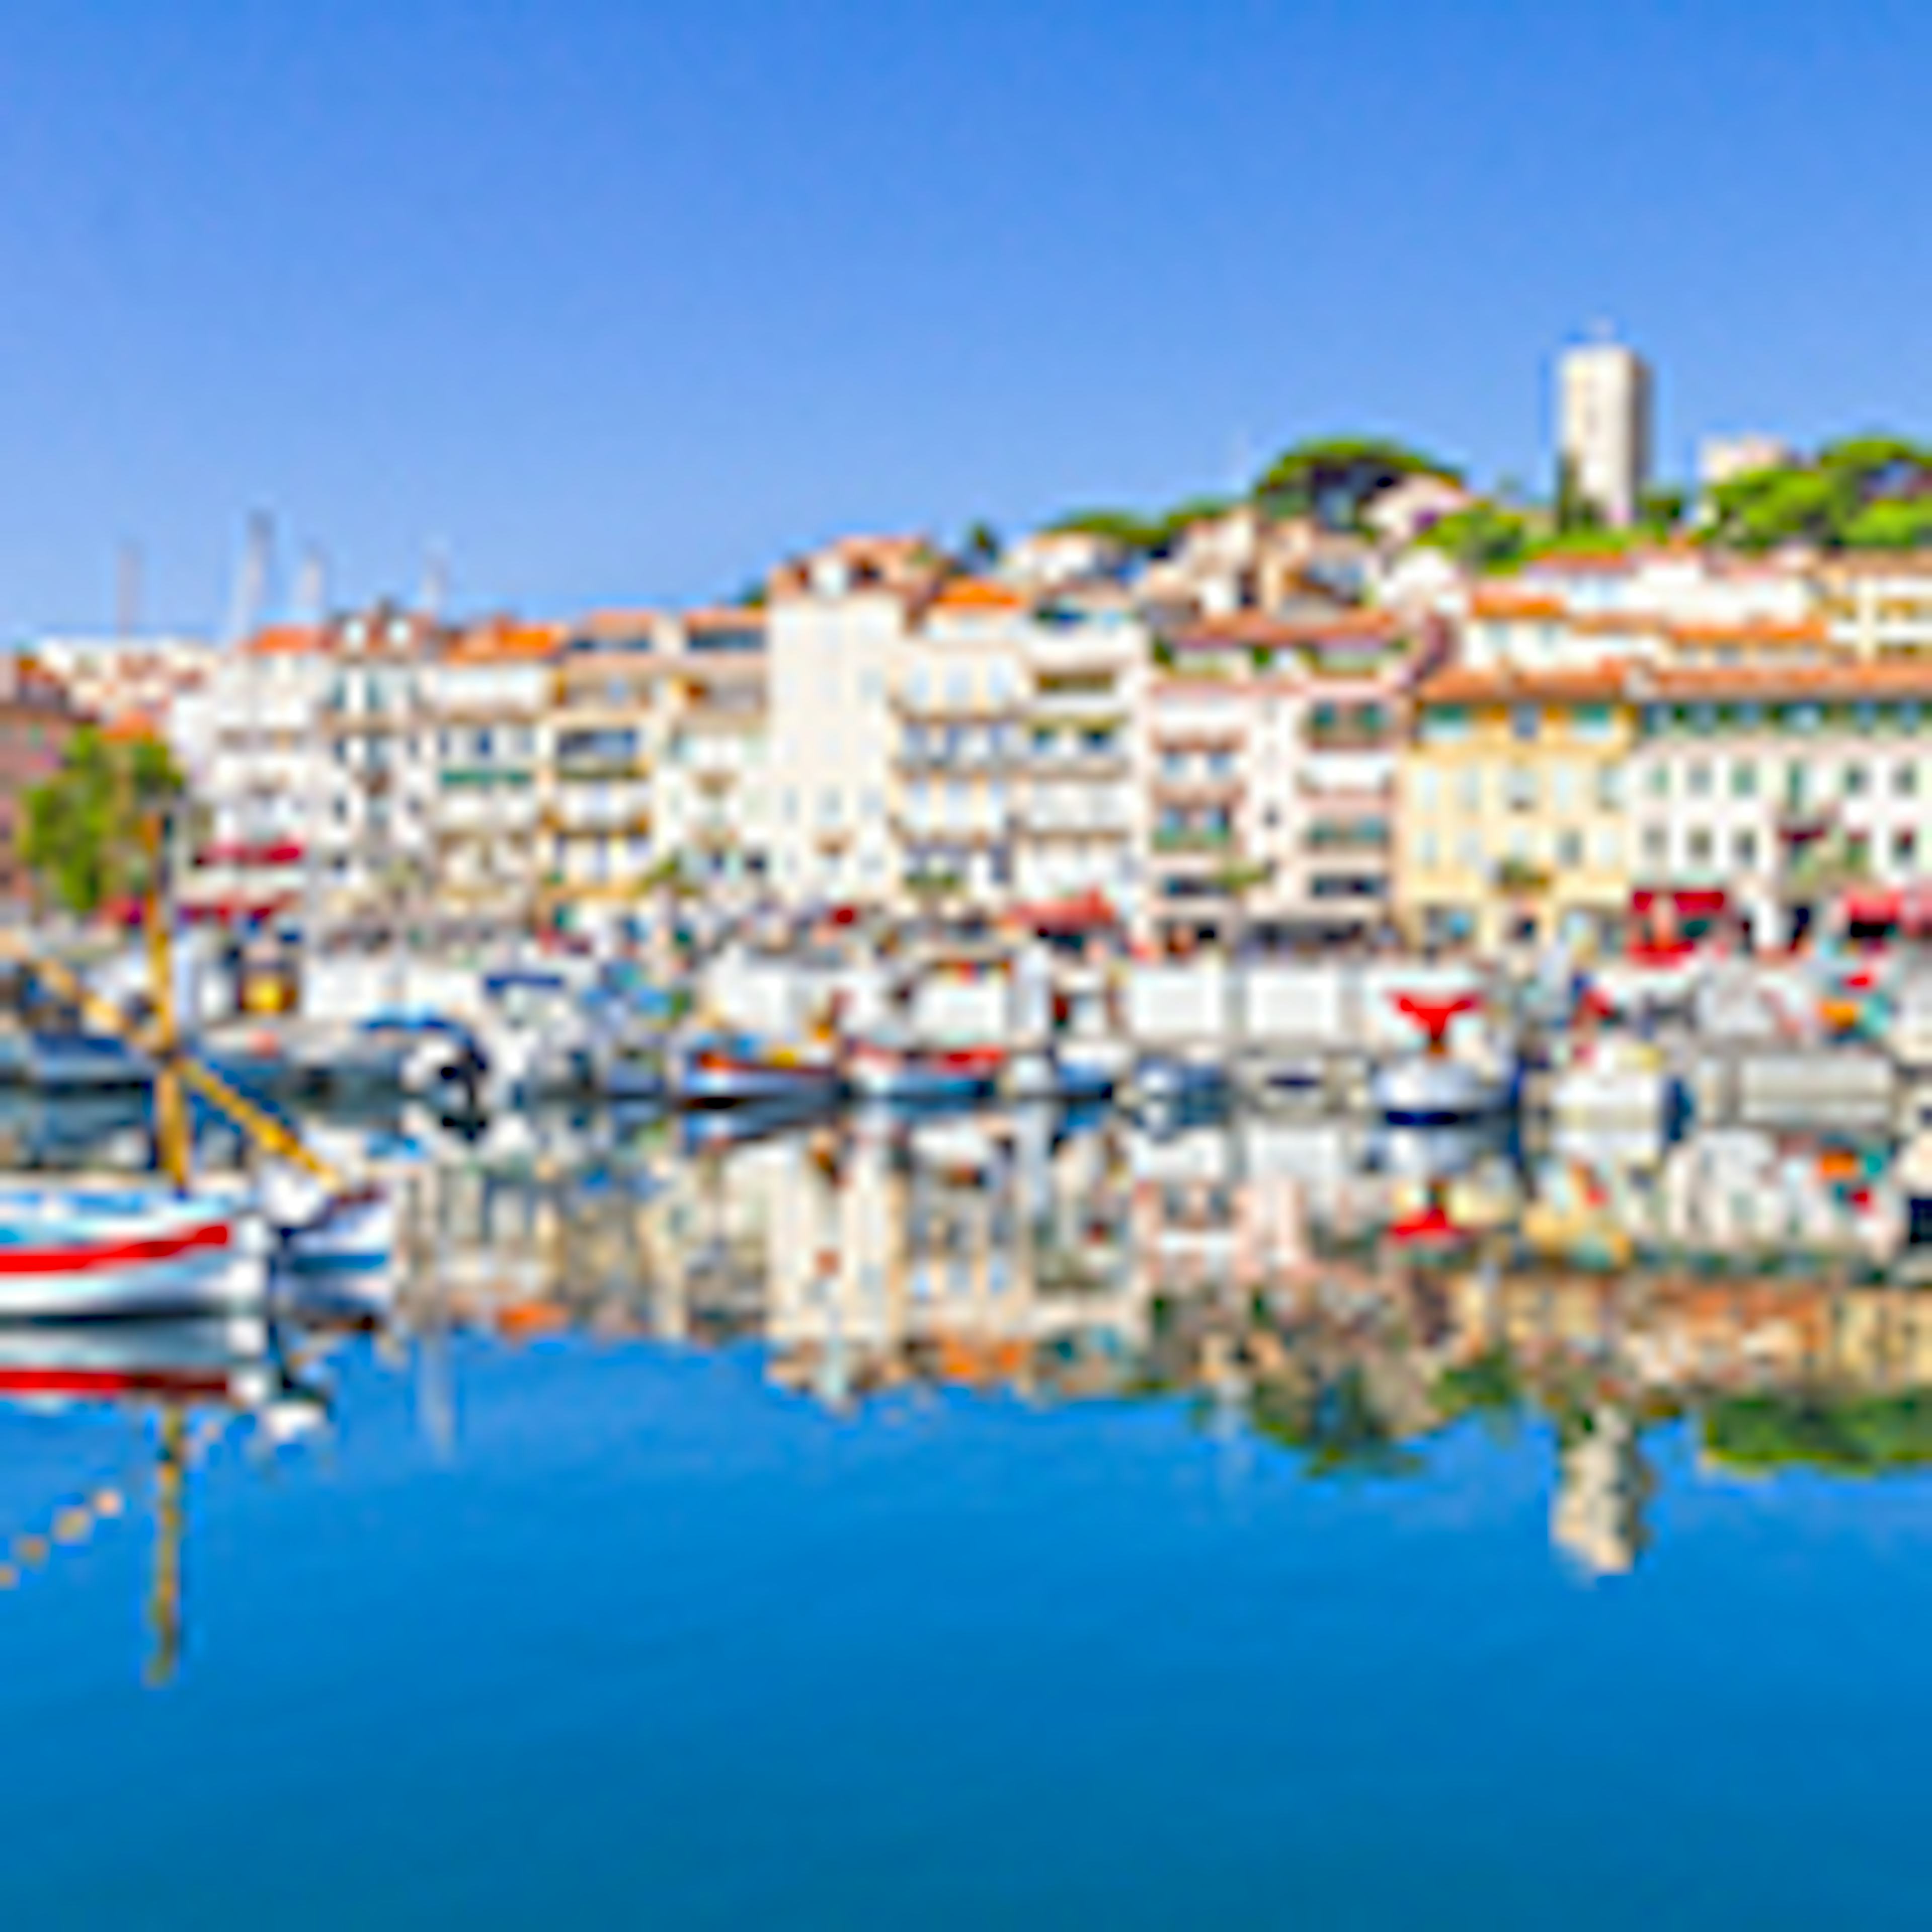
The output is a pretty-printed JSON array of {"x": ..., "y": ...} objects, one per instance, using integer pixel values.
[{"x": 1001, "y": 1520}]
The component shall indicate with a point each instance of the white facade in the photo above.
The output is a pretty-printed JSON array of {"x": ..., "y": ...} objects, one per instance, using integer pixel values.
[
  {"x": 1603, "y": 426},
  {"x": 835, "y": 645},
  {"x": 267, "y": 780}
]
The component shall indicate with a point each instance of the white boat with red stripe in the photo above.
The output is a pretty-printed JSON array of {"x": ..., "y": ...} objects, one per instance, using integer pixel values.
[{"x": 101, "y": 1253}]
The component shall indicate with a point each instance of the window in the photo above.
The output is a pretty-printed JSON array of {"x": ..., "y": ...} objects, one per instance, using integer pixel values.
[
  {"x": 1744, "y": 778},
  {"x": 1471, "y": 788},
  {"x": 1425, "y": 789},
  {"x": 1469, "y": 851},
  {"x": 1744, "y": 848},
  {"x": 1904, "y": 845},
  {"x": 1659, "y": 779},
  {"x": 1523, "y": 723},
  {"x": 1609, "y": 851},
  {"x": 1854, "y": 780},
  {"x": 1428, "y": 851},
  {"x": 1569, "y": 848},
  {"x": 1522, "y": 787},
  {"x": 1700, "y": 779},
  {"x": 1905, "y": 779},
  {"x": 1698, "y": 845}
]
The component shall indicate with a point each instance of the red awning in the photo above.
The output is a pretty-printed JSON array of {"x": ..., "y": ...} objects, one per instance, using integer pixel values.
[
  {"x": 1085, "y": 912},
  {"x": 1687, "y": 902},
  {"x": 1868, "y": 905},
  {"x": 284, "y": 852}
]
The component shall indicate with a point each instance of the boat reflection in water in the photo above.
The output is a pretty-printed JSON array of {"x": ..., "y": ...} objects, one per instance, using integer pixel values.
[
  {"x": 1351, "y": 1294},
  {"x": 182, "y": 1385}
]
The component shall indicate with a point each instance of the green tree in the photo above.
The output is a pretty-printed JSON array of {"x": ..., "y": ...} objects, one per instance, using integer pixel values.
[
  {"x": 1333, "y": 478},
  {"x": 81, "y": 832},
  {"x": 1485, "y": 536},
  {"x": 981, "y": 546},
  {"x": 1897, "y": 523}
]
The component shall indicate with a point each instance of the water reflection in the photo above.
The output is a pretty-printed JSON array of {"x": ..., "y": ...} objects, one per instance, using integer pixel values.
[{"x": 1349, "y": 1299}]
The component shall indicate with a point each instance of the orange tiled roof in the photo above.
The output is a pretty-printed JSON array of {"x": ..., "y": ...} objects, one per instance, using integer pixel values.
[
  {"x": 1465, "y": 684},
  {"x": 1497, "y": 600},
  {"x": 977, "y": 593},
  {"x": 287, "y": 641},
  {"x": 505, "y": 642},
  {"x": 1754, "y": 630},
  {"x": 1260, "y": 627},
  {"x": 731, "y": 617},
  {"x": 132, "y": 727},
  {"x": 1847, "y": 680}
]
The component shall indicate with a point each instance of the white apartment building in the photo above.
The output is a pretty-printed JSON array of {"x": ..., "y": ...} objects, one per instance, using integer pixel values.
[
  {"x": 1083, "y": 798},
  {"x": 713, "y": 793},
  {"x": 163, "y": 681},
  {"x": 837, "y": 626},
  {"x": 1765, "y": 790},
  {"x": 491, "y": 701},
  {"x": 960, "y": 692},
  {"x": 267, "y": 780},
  {"x": 374, "y": 835},
  {"x": 1603, "y": 426}
]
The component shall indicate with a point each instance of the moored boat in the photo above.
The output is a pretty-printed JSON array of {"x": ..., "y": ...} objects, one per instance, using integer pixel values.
[
  {"x": 736, "y": 1070},
  {"x": 104, "y": 1252},
  {"x": 878, "y": 1071}
]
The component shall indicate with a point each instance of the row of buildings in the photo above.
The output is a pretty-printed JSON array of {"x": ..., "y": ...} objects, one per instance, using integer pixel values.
[{"x": 1369, "y": 747}]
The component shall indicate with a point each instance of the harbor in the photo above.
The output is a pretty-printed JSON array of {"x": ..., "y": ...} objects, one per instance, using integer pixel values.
[{"x": 689, "y": 1454}]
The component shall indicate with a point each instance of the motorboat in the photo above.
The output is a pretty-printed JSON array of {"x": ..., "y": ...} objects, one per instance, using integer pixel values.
[
  {"x": 68, "y": 1060},
  {"x": 737, "y": 1070},
  {"x": 911, "y": 1072},
  {"x": 1434, "y": 1088}
]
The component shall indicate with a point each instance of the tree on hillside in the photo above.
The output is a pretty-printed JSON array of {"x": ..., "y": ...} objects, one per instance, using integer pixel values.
[
  {"x": 1860, "y": 490},
  {"x": 1485, "y": 536},
  {"x": 81, "y": 832},
  {"x": 1333, "y": 478}
]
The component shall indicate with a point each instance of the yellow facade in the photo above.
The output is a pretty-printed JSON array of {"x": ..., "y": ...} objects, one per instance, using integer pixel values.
[{"x": 1512, "y": 828}]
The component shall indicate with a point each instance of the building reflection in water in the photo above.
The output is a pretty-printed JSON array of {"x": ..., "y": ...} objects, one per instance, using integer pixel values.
[{"x": 1349, "y": 1299}]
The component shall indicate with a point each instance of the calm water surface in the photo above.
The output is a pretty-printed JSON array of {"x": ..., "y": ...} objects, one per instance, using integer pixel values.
[{"x": 991, "y": 1525}]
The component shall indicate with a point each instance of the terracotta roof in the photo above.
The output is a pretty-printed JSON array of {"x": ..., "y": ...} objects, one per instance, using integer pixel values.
[
  {"x": 1754, "y": 631},
  {"x": 977, "y": 593},
  {"x": 132, "y": 727},
  {"x": 617, "y": 623},
  {"x": 1496, "y": 600},
  {"x": 505, "y": 642},
  {"x": 734, "y": 617},
  {"x": 1464, "y": 684},
  {"x": 1878, "y": 563},
  {"x": 287, "y": 641},
  {"x": 1263, "y": 628},
  {"x": 1846, "y": 681}
]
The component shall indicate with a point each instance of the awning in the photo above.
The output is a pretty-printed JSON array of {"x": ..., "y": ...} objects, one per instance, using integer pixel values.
[
  {"x": 1869, "y": 905},
  {"x": 284, "y": 852},
  {"x": 1085, "y": 912},
  {"x": 1687, "y": 902}
]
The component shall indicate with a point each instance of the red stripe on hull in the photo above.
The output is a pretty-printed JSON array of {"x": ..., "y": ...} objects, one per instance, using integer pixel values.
[
  {"x": 111, "y": 1382},
  {"x": 83, "y": 1258}
]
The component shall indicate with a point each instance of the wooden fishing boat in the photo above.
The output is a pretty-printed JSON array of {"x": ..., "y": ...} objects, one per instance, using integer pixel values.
[{"x": 105, "y": 1252}]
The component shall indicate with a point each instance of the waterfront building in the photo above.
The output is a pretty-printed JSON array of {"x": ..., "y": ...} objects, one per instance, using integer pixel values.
[
  {"x": 960, "y": 692},
  {"x": 372, "y": 837},
  {"x": 1513, "y": 801},
  {"x": 1081, "y": 834},
  {"x": 604, "y": 742},
  {"x": 837, "y": 621},
  {"x": 267, "y": 780},
  {"x": 1273, "y": 745},
  {"x": 491, "y": 699},
  {"x": 713, "y": 793},
  {"x": 1603, "y": 428},
  {"x": 1767, "y": 795}
]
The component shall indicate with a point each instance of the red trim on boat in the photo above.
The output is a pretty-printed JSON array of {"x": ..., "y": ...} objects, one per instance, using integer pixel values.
[
  {"x": 85, "y": 1257},
  {"x": 68, "y": 1381}
]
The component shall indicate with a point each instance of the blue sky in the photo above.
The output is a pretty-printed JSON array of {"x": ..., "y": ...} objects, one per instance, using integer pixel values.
[{"x": 618, "y": 302}]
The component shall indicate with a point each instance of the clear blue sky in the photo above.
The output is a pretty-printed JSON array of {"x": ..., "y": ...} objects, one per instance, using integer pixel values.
[{"x": 619, "y": 301}]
